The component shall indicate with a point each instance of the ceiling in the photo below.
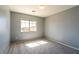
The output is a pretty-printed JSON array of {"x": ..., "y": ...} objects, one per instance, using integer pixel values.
[{"x": 36, "y": 11}]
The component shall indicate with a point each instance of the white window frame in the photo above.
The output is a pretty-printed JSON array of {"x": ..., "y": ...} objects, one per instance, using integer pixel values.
[{"x": 29, "y": 26}]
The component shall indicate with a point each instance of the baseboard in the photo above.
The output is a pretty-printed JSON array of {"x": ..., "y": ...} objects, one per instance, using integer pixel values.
[
  {"x": 64, "y": 44},
  {"x": 23, "y": 40}
]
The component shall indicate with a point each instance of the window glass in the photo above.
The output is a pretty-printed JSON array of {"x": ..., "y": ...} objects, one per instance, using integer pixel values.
[{"x": 27, "y": 26}]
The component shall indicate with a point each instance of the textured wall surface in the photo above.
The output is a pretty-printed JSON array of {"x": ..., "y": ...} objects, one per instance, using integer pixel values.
[
  {"x": 4, "y": 29},
  {"x": 64, "y": 27},
  {"x": 16, "y": 33}
]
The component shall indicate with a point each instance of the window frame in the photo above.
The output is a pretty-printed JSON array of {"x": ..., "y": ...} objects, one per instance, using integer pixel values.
[{"x": 29, "y": 26}]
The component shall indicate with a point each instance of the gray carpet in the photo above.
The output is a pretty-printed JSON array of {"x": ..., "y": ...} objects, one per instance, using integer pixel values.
[{"x": 48, "y": 48}]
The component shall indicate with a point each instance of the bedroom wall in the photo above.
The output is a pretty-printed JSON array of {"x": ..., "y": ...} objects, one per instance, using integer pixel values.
[
  {"x": 4, "y": 29},
  {"x": 64, "y": 27},
  {"x": 16, "y": 33}
]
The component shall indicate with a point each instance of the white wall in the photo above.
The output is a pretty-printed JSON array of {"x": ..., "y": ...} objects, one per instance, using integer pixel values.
[
  {"x": 64, "y": 27},
  {"x": 4, "y": 29},
  {"x": 16, "y": 33}
]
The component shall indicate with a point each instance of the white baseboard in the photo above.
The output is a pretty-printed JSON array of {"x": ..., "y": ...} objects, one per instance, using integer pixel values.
[{"x": 64, "y": 44}]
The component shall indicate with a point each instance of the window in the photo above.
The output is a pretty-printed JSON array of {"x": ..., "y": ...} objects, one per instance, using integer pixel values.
[
  {"x": 32, "y": 25},
  {"x": 28, "y": 26}
]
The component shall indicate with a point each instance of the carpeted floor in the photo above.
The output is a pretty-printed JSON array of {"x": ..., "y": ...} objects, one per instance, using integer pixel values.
[{"x": 46, "y": 48}]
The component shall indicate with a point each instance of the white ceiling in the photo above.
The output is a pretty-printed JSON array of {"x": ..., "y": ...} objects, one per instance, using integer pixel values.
[{"x": 47, "y": 11}]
